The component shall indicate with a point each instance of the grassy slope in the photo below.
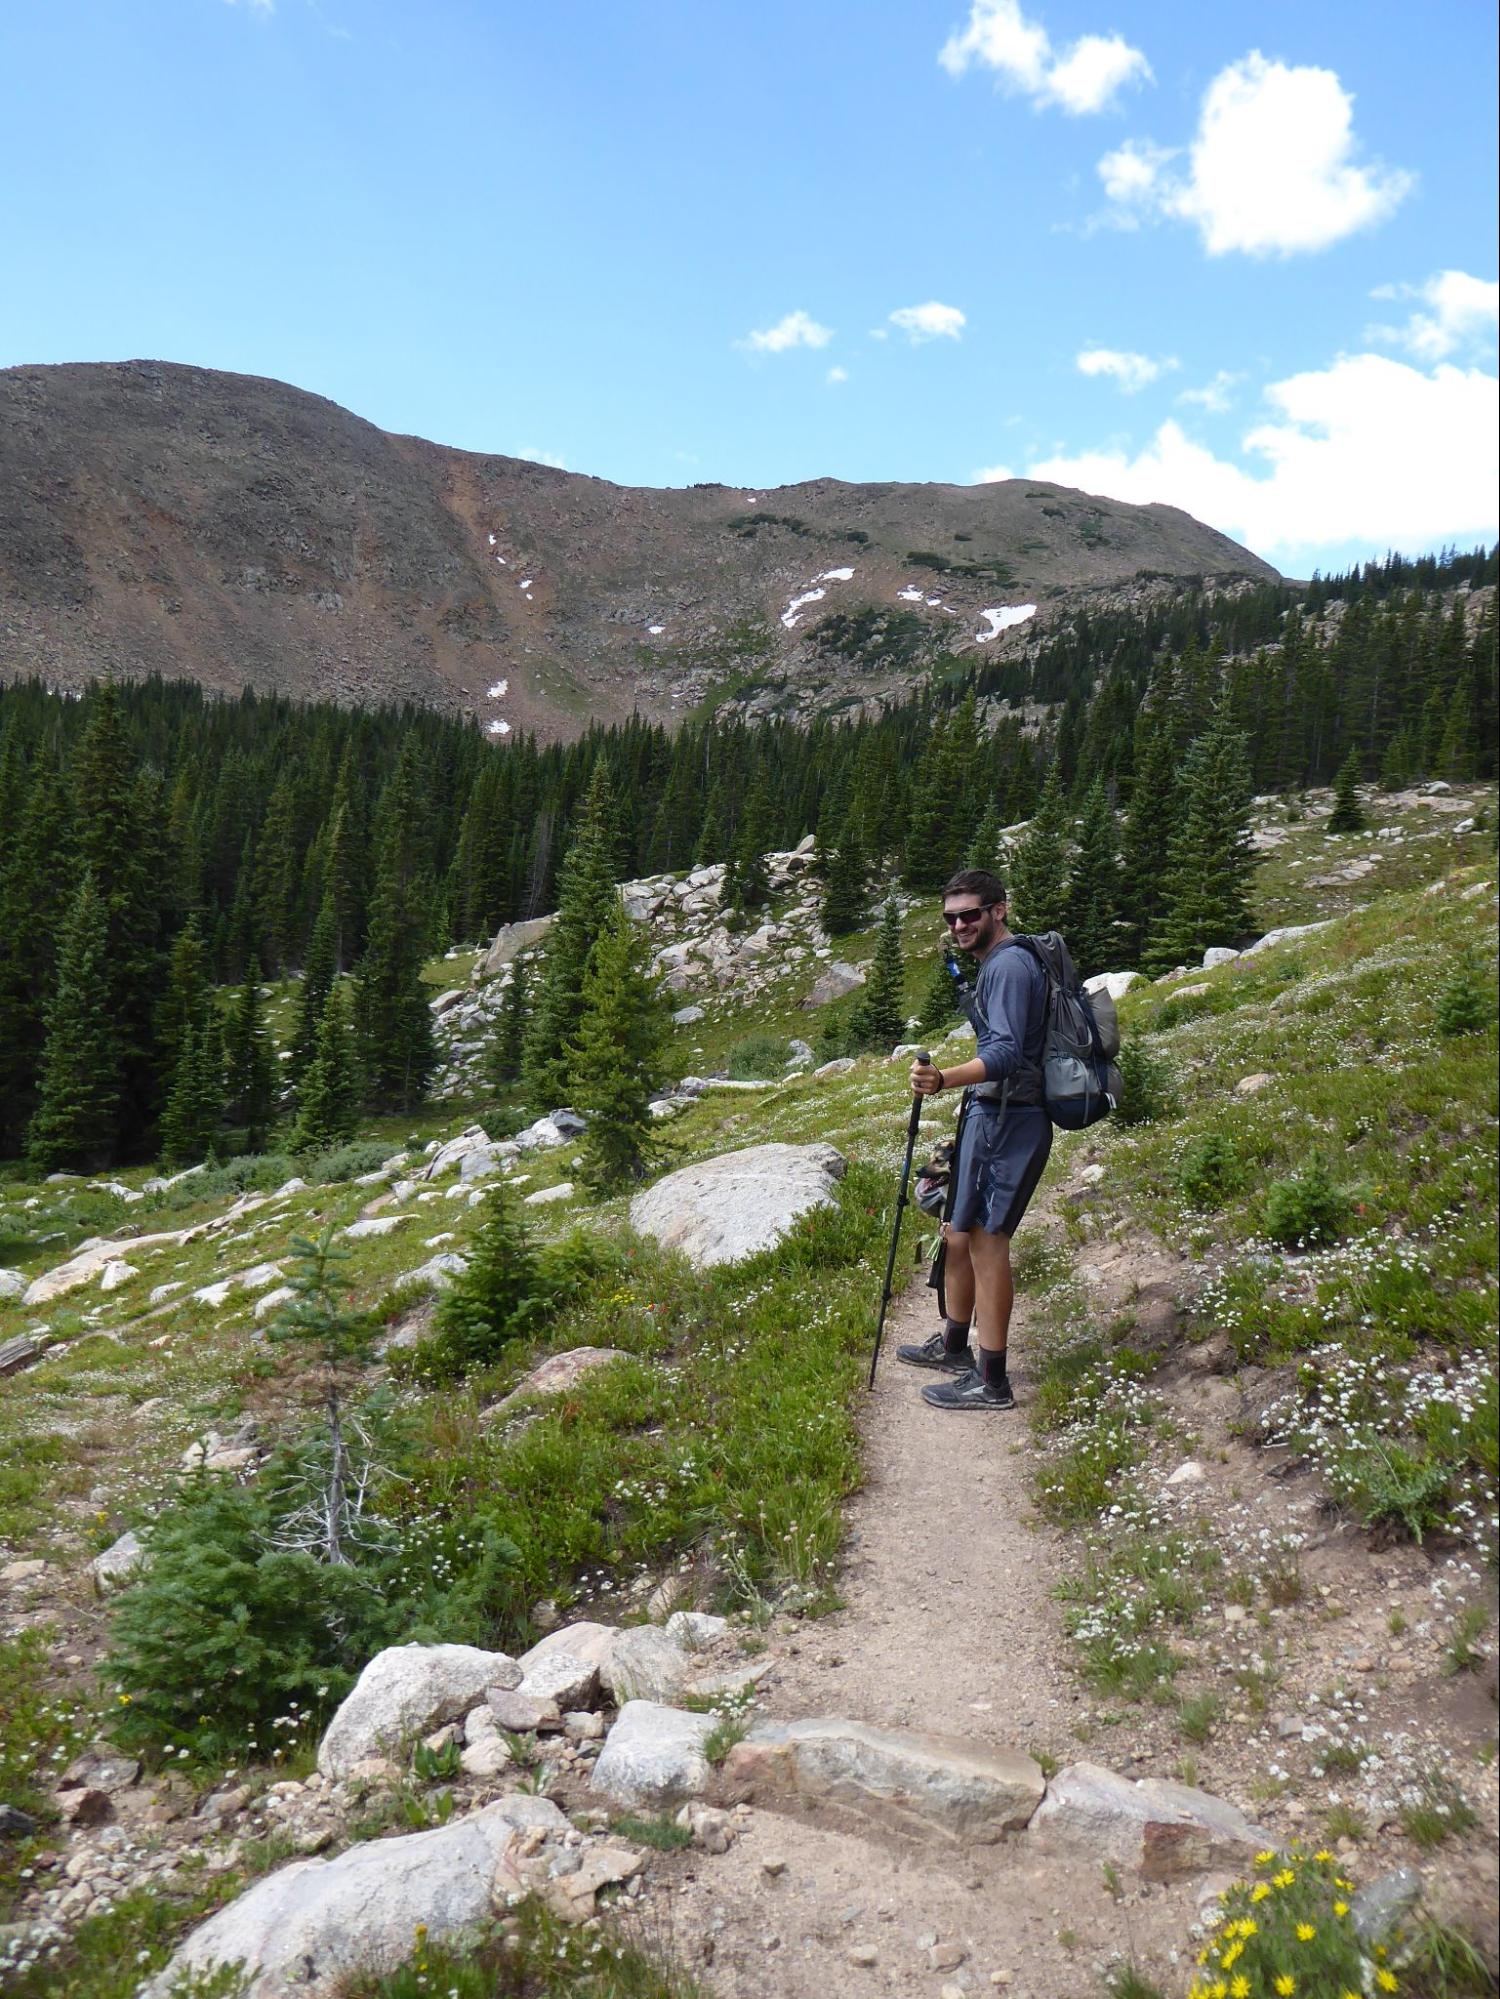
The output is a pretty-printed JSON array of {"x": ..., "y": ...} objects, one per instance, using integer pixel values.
[{"x": 91, "y": 1437}]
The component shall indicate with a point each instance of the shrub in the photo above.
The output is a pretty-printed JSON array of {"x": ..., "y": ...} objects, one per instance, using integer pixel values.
[
  {"x": 1147, "y": 1077},
  {"x": 1292, "y": 1930},
  {"x": 1209, "y": 1170},
  {"x": 1465, "y": 1003},
  {"x": 758, "y": 1055},
  {"x": 1305, "y": 1209},
  {"x": 345, "y": 1162},
  {"x": 497, "y": 1299},
  {"x": 237, "y": 1639}
]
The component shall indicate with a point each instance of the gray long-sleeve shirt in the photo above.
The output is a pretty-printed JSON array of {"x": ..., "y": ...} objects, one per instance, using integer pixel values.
[{"x": 1010, "y": 1017}]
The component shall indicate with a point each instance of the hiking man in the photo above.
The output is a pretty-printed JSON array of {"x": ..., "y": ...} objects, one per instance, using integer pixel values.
[{"x": 1005, "y": 1140}]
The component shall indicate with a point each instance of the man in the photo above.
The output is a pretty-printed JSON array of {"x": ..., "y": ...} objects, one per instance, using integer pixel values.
[{"x": 1006, "y": 1138}]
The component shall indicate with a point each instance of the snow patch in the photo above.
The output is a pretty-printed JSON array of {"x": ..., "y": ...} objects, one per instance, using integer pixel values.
[
  {"x": 1001, "y": 618},
  {"x": 525, "y": 583},
  {"x": 499, "y": 728},
  {"x": 835, "y": 576},
  {"x": 492, "y": 541},
  {"x": 793, "y": 610},
  {"x": 498, "y": 689},
  {"x": 910, "y": 595},
  {"x": 656, "y": 630}
]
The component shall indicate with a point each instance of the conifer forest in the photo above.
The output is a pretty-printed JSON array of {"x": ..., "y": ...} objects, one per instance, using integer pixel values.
[{"x": 158, "y": 846}]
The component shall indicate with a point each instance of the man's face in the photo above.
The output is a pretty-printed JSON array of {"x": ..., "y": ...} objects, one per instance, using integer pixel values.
[{"x": 973, "y": 925}]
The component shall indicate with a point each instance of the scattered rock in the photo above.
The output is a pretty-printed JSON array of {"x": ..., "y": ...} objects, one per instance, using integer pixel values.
[
  {"x": 833, "y": 983},
  {"x": 376, "y": 1226},
  {"x": 592, "y": 1643},
  {"x": 1159, "y": 1830},
  {"x": 839, "y": 1066},
  {"x": 1116, "y": 984},
  {"x": 486, "y": 1758},
  {"x": 729, "y": 1207},
  {"x": 1383, "y": 1903},
  {"x": 561, "y": 1680},
  {"x": 312, "y": 1926},
  {"x": 654, "y": 1755},
  {"x": 1284, "y": 936},
  {"x": 115, "y": 1273},
  {"x": 402, "y": 1693},
  {"x": 27, "y": 1569},
  {"x": 118, "y": 1563},
  {"x": 511, "y": 939},
  {"x": 521, "y": 1714},
  {"x": 927, "y": 1786},
  {"x": 18, "y": 1352},
  {"x": 1190, "y": 1473},
  {"x": 12, "y": 1285},
  {"x": 646, "y": 1664},
  {"x": 1251, "y": 1086},
  {"x": 1217, "y": 954},
  {"x": 545, "y": 1196},
  {"x": 271, "y": 1302}
]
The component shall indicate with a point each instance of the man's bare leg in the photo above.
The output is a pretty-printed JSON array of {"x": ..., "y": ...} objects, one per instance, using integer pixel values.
[
  {"x": 958, "y": 1275},
  {"x": 994, "y": 1287}
]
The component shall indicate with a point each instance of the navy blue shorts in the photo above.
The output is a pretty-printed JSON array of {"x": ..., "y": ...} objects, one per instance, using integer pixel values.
[{"x": 1000, "y": 1160}]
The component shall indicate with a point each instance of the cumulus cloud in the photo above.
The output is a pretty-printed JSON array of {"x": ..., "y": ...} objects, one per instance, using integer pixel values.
[
  {"x": 534, "y": 455},
  {"x": 929, "y": 322},
  {"x": 836, "y": 375},
  {"x": 1132, "y": 371},
  {"x": 991, "y": 475},
  {"x": 1368, "y": 450},
  {"x": 1461, "y": 311},
  {"x": 1084, "y": 77},
  {"x": 1271, "y": 170},
  {"x": 795, "y": 329},
  {"x": 1214, "y": 396}
]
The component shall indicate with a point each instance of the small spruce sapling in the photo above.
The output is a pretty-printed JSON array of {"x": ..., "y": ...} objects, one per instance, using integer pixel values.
[
  {"x": 340, "y": 1343},
  {"x": 508, "y": 1040},
  {"x": 496, "y": 1300},
  {"x": 1348, "y": 815},
  {"x": 615, "y": 1065},
  {"x": 877, "y": 1020},
  {"x": 1465, "y": 1004}
]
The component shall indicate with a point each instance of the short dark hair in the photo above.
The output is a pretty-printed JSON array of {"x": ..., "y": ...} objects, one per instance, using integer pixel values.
[{"x": 976, "y": 881}]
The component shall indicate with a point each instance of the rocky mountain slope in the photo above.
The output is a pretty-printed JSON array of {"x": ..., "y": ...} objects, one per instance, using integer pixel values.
[{"x": 238, "y": 531}]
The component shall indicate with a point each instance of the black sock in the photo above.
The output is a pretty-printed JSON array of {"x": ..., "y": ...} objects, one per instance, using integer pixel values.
[
  {"x": 992, "y": 1367},
  {"x": 956, "y": 1335}
]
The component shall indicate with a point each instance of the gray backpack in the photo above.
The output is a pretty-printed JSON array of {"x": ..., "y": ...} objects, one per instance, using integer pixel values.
[{"x": 1080, "y": 1083}]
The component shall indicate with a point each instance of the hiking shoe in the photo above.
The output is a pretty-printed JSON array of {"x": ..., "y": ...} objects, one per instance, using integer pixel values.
[
  {"x": 970, "y": 1391},
  {"x": 935, "y": 1352}
]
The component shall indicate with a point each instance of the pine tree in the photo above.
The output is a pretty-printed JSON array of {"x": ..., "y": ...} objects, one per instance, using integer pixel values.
[
  {"x": 318, "y": 975},
  {"x": 195, "y": 1102},
  {"x": 393, "y": 1019},
  {"x": 186, "y": 993},
  {"x": 938, "y": 1008},
  {"x": 497, "y": 1299},
  {"x": 845, "y": 891},
  {"x": 1039, "y": 870},
  {"x": 80, "y": 1082},
  {"x": 1147, "y": 839},
  {"x": 1396, "y": 764},
  {"x": 586, "y": 900},
  {"x": 328, "y": 1096},
  {"x": 1348, "y": 814},
  {"x": 750, "y": 887},
  {"x": 346, "y": 860},
  {"x": 984, "y": 848},
  {"x": 928, "y": 858},
  {"x": 878, "y": 1020},
  {"x": 36, "y": 889},
  {"x": 508, "y": 1037},
  {"x": 1094, "y": 890},
  {"x": 615, "y": 1060},
  {"x": 1210, "y": 863},
  {"x": 710, "y": 847},
  {"x": 250, "y": 1069}
]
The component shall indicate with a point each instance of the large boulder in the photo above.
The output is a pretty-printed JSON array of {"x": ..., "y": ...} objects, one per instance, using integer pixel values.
[
  {"x": 926, "y": 1786},
  {"x": 833, "y": 982},
  {"x": 654, "y": 1755},
  {"x": 314, "y": 1925},
  {"x": 728, "y": 1208},
  {"x": 1157, "y": 1829},
  {"x": 407, "y": 1691},
  {"x": 511, "y": 939},
  {"x": 585, "y": 1640},
  {"x": 646, "y": 1663}
]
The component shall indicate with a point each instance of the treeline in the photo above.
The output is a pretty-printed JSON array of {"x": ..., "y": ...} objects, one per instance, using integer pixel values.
[{"x": 279, "y": 838}]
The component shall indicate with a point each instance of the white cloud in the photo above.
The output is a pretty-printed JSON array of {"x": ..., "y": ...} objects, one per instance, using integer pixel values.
[
  {"x": 1214, "y": 396},
  {"x": 535, "y": 456},
  {"x": 991, "y": 475},
  {"x": 1366, "y": 450},
  {"x": 796, "y": 329},
  {"x": 255, "y": 6},
  {"x": 929, "y": 322},
  {"x": 1083, "y": 77},
  {"x": 835, "y": 376},
  {"x": 1132, "y": 371},
  {"x": 1270, "y": 171},
  {"x": 1461, "y": 310}
]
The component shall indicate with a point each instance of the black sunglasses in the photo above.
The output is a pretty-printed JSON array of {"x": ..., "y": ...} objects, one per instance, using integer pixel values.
[{"x": 953, "y": 917}]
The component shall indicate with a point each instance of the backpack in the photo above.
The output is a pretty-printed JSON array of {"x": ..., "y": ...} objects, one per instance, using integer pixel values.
[{"x": 1080, "y": 1083}]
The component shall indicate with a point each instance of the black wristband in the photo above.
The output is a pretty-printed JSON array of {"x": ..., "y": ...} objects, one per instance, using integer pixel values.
[{"x": 941, "y": 1084}]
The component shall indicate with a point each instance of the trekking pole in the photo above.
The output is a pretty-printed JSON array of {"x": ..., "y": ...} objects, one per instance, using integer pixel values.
[{"x": 890, "y": 1262}]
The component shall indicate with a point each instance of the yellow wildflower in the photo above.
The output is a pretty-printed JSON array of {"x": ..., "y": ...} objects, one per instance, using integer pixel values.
[
  {"x": 1264, "y": 1859},
  {"x": 1322, "y": 1854},
  {"x": 1235, "y": 1950},
  {"x": 1306, "y": 1932},
  {"x": 1260, "y": 1891},
  {"x": 1386, "y": 1981},
  {"x": 1284, "y": 1986},
  {"x": 1284, "y": 1879},
  {"x": 1341, "y": 1908},
  {"x": 1239, "y": 1988}
]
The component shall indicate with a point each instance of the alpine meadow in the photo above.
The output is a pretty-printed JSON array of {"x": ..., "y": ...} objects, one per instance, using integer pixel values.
[{"x": 749, "y": 1002}]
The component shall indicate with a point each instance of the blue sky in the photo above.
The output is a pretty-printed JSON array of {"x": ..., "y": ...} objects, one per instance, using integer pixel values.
[{"x": 1238, "y": 259}]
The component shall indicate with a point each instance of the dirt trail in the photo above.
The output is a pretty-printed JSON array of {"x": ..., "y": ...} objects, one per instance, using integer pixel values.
[{"x": 948, "y": 1626}]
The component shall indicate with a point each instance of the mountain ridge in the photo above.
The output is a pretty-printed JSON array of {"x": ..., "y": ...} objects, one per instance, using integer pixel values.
[{"x": 242, "y": 532}]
